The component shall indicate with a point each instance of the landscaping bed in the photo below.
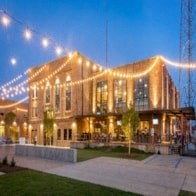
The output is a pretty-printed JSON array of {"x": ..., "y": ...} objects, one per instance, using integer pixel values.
[
  {"x": 10, "y": 169},
  {"x": 108, "y": 151}
]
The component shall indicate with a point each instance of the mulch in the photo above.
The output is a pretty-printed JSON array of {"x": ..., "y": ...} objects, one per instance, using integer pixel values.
[{"x": 10, "y": 169}]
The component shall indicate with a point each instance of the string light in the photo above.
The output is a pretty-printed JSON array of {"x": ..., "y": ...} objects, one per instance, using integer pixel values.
[
  {"x": 5, "y": 20},
  {"x": 27, "y": 34},
  {"x": 14, "y": 104},
  {"x": 58, "y": 50},
  {"x": 180, "y": 65},
  {"x": 45, "y": 42},
  {"x": 13, "y": 61}
]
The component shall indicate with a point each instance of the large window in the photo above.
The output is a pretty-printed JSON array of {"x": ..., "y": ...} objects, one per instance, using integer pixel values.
[
  {"x": 120, "y": 95},
  {"x": 47, "y": 93},
  {"x": 102, "y": 97},
  {"x": 34, "y": 111},
  {"x": 68, "y": 94},
  {"x": 34, "y": 92},
  {"x": 57, "y": 96},
  {"x": 141, "y": 94}
]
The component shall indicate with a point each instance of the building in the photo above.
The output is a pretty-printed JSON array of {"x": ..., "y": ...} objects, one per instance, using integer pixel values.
[
  {"x": 11, "y": 130},
  {"x": 87, "y": 101}
]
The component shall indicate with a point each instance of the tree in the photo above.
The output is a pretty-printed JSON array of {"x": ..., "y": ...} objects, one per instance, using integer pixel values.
[
  {"x": 48, "y": 123},
  {"x": 130, "y": 122},
  {"x": 9, "y": 119}
]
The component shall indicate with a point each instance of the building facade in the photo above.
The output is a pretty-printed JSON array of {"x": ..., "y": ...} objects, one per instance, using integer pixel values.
[
  {"x": 87, "y": 101},
  {"x": 11, "y": 129}
]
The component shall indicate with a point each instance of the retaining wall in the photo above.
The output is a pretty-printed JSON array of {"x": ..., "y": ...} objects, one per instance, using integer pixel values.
[{"x": 47, "y": 152}]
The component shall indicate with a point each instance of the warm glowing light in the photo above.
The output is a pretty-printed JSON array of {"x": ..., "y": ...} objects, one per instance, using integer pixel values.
[
  {"x": 13, "y": 61},
  {"x": 27, "y": 34},
  {"x": 74, "y": 124},
  {"x": 87, "y": 63},
  {"x": 14, "y": 123},
  {"x": 80, "y": 60},
  {"x": 94, "y": 67},
  {"x": 14, "y": 104},
  {"x": 5, "y": 20},
  {"x": 58, "y": 50},
  {"x": 175, "y": 64},
  {"x": 45, "y": 42}
]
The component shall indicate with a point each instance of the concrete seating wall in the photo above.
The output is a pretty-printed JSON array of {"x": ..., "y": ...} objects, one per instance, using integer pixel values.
[{"x": 47, "y": 152}]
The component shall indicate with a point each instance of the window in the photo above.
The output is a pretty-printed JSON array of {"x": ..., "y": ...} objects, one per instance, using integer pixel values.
[
  {"x": 58, "y": 134},
  {"x": 68, "y": 95},
  {"x": 70, "y": 134},
  {"x": 57, "y": 96},
  {"x": 34, "y": 92},
  {"x": 102, "y": 97},
  {"x": 47, "y": 93},
  {"x": 141, "y": 94},
  {"x": 65, "y": 134},
  {"x": 34, "y": 112},
  {"x": 120, "y": 95}
]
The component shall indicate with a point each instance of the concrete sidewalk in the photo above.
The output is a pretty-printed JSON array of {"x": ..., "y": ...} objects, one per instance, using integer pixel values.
[{"x": 157, "y": 175}]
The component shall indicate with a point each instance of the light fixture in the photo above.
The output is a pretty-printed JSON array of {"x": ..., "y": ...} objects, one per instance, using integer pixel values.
[
  {"x": 13, "y": 61},
  {"x": 5, "y": 20},
  {"x": 27, "y": 34},
  {"x": 45, "y": 42},
  {"x": 58, "y": 50}
]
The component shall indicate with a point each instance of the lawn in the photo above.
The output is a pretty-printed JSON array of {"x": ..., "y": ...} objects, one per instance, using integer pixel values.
[
  {"x": 118, "y": 152},
  {"x": 186, "y": 193},
  {"x": 29, "y": 182}
]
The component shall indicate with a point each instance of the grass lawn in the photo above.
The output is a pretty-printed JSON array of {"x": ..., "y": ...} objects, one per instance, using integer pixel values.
[
  {"x": 186, "y": 193},
  {"x": 29, "y": 182},
  {"x": 118, "y": 152}
]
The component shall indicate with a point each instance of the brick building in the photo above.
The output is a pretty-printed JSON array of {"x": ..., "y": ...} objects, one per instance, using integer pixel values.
[
  {"x": 19, "y": 126},
  {"x": 87, "y": 100}
]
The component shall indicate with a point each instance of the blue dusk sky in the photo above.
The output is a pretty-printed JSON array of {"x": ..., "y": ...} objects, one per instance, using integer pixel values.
[{"x": 137, "y": 30}]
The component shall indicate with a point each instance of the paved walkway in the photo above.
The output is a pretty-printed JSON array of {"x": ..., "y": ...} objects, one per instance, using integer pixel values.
[{"x": 158, "y": 175}]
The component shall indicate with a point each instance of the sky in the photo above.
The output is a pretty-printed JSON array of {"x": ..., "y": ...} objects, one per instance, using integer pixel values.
[{"x": 136, "y": 30}]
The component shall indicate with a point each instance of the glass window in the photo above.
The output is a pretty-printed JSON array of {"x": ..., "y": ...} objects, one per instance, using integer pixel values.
[
  {"x": 102, "y": 97},
  {"x": 47, "y": 93},
  {"x": 120, "y": 95},
  {"x": 141, "y": 94},
  {"x": 57, "y": 96},
  {"x": 65, "y": 134},
  {"x": 34, "y": 92},
  {"x": 58, "y": 134},
  {"x": 34, "y": 112},
  {"x": 68, "y": 95},
  {"x": 70, "y": 134}
]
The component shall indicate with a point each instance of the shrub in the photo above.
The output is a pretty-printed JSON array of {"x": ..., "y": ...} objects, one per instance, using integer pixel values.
[
  {"x": 4, "y": 161},
  {"x": 13, "y": 163}
]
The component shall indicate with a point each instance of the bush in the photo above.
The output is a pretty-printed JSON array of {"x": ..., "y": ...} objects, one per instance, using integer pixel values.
[
  {"x": 13, "y": 163},
  {"x": 4, "y": 161}
]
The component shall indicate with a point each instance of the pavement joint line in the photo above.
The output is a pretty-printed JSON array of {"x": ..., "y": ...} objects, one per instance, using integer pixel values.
[
  {"x": 151, "y": 159},
  {"x": 178, "y": 162}
]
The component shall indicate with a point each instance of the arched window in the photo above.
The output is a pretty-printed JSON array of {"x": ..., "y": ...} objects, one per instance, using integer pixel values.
[
  {"x": 57, "y": 95},
  {"x": 34, "y": 92},
  {"x": 47, "y": 93},
  {"x": 68, "y": 94}
]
